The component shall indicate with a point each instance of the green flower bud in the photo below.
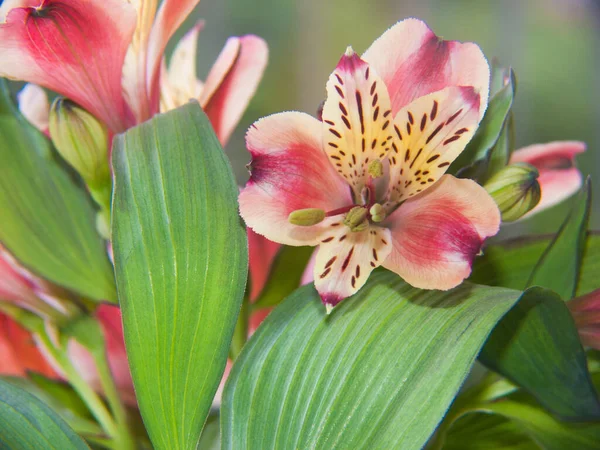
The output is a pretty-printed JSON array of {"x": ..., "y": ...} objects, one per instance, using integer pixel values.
[
  {"x": 377, "y": 213},
  {"x": 306, "y": 217},
  {"x": 356, "y": 219},
  {"x": 81, "y": 140},
  {"x": 376, "y": 169},
  {"x": 515, "y": 190}
]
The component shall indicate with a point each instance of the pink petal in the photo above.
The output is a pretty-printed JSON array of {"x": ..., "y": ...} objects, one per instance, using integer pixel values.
[
  {"x": 34, "y": 105},
  {"x": 357, "y": 121},
  {"x": 414, "y": 62},
  {"x": 431, "y": 132},
  {"x": 289, "y": 171},
  {"x": 555, "y": 161},
  {"x": 18, "y": 351},
  {"x": 345, "y": 259},
  {"x": 226, "y": 104},
  {"x": 261, "y": 253},
  {"x": 437, "y": 234},
  {"x": 76, "y": 49},
  {"x": 169, "y": 18},
  {"x": 308, "y": 276},
  {"x": 110, "y": 320}
]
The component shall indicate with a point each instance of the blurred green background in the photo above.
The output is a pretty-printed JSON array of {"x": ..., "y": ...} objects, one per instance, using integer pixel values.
[{"x": 553, "y": 45}]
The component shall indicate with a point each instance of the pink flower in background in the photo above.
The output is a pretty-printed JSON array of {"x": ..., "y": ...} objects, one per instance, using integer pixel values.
[
  {"x": 555, "y": 161},
  {"x": 586, "y": 312},
  {"x": 106, "y": 55},
  {"x": 367, "y": 184},
  {"x": 19, "y": 353}
]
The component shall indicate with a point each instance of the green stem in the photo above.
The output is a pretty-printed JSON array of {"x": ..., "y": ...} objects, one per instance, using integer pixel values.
[
  {"x": 123, "y": 439},
  {"x": 87, "y": 394}
]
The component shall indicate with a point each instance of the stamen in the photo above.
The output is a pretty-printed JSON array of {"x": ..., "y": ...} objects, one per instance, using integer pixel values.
[
  {"x": 306, "y": 217},
  {"x": 377, "y": 213},
  {"x": 376, "y": 168},
  {"x": 356, "y": 219}
]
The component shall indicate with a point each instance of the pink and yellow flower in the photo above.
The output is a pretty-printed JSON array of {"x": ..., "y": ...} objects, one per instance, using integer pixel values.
[
  {"x": 107, "y": 56},
  {"x": 555, "y": 161},
  {"x": 366, "y": 184}
]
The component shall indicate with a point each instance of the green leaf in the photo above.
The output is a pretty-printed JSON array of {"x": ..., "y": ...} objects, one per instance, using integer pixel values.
[
  {"x": 473, "y": 161},
  {"x": 210, "y": 439},
  {"x": 181, "y": 262},
  {"x": 379, "y": 372},
  {"x": 478, "y": 431},
  {"x": 510, "y": 263},
  {"x": 48, "y": 222},
  {"x": 558, "y": 268},
  {"x": 286, "y": 273},
  {"x": 27, "y": 423},
  {"x": 62, "y": 399},
  {"x": 536, "y": 345},
  {"x": 545, "y": 430}
]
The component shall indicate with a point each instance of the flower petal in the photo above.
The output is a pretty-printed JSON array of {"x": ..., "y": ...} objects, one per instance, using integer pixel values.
[
  {"x": 76, "y": 49},
  {"x": 18, "y": 351},
  {"x": 345, "y": 259},
  {"x": 34, "y": 105},
  {"x": 289, "y": 171},
  {"x": 179, "y": 84},
  {"x": 413, "y": 62},
  {"x": 109, "y": 317},
  {"x": 261, "y": 252},
  {"x": 555, "y": 161},
  {"x": 437, "y": 234},
  {"x": 357, "y": 121},
  {"x": 432, "y": 131},
  {"x": 169, "y": 18},
  {"x": 226, "y": 103}
]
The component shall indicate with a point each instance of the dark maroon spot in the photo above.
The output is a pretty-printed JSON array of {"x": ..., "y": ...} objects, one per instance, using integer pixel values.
[
  {"x": 332, "y": 145},
  {"x": 373, "y": 86},
  {"x": 408, "y": 128},
  {"x": 339, "y": 79},
  {"x": 342, "y": 238},
  {"x": 462, "y": 130},
  {"x": 394, "y": 147},
  {"x": 454, "y": 116},
  {"x": 343, "y": 108},
  {"x": 384, "y": 241},
  {"x": 375, "y": 113},
  {"x": 336, "y": 157},
  {"x": 433, "y": 158},
  {"x": 450, "y": 140},
  {"x": 346, "y": 122},
  {"x": 367, "y": 73},
  {"x": 372, "y": 264},
  {"x": 357, "y": 272},
  {"x": 363, "y": 144},
  {"x": 387, "y": 113},
  {"x": 330, "y": 262},
  {"x": 339, "y": 91},
  {"x": 430, "y": 180},
  {"x": 375, "y": 98},
  {"x": 444, "y": 164},
  {"x": 329, "y": 239},
  {"x": 324, "y": 274},
  {"x": 353, "y": 281},
  {"x": 436, "y": 131},
  {"x": 434, "y": 110},
  {"x": 375, "y": 255},
  {"x": 411, "y": 118},
  {"x": 417, "y": 172},
  {"x": 385, "y": 125},
  {"x": 360, "y": 112},
  {"x": 335, "y": 133},
  {"x": 329, "y": 122},
  {"x": 353, "y": 158},
  {"x": 398, "y": 132},
  {"x": 416, "y": 157},
  {"x": 342, "y": 152},
  {"x": 407, "y": 155},
  {"x": 373, "y": 144},
  {"x": 347, "y": 260}
]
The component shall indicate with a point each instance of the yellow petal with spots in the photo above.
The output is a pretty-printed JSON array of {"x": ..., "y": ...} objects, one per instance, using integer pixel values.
[
  {"x": 430, "y": 133},
  {"x": 356, "y": 119}
]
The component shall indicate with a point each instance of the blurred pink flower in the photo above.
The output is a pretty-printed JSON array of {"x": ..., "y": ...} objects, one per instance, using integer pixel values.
[
  {"x": 555, "y": 161},
  {"x": 586, "y": 312},
  {"x": 106, "y": 55},
  {"x": 19, "y": 353},
  {"x": 367, "y": 184}
]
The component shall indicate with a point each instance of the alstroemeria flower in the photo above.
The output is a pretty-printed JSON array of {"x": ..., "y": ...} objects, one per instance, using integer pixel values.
[
  {"x": 367, "y": 184},
  {"x": 106, "y": 55},
  {"x": 555, "y": 161},
  {"x": 586, "y": 313}
]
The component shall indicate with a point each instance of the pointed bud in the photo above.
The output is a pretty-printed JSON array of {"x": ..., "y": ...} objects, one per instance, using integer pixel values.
[
  {"x": 356, "y": 219},
  {"x": 515, "y": 189},
  {"x": 377, "y": 213},
  {"x": 376, "y": 169},
  {"x": 81, "y": 140},
  {"x": 306, "y": 217}
]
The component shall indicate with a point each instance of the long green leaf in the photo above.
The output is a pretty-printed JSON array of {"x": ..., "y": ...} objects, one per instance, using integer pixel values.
[
  {"x": 559, "y": 267},
  {"x": 379, "y": 372},
  {"x": 181, "y": 262},
  {"x": 27, "y": 423},
  {"x": 511, "y": 263},
  {"x": 536, "y": 345},
  {"x": 48, "y": 222}
]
